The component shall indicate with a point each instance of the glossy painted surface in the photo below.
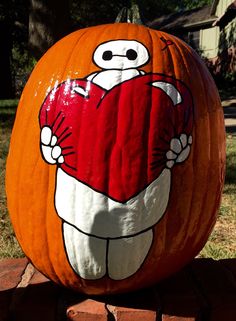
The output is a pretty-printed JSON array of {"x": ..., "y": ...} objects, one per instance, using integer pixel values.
[
  {"x": 197, "y": 173},
  {"x": 101, "y": 133}
]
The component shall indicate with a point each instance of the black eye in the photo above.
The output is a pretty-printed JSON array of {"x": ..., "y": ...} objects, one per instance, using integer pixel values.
[
  {"x": 107, "y": 55},
  {"x": 131, "y": 54}
]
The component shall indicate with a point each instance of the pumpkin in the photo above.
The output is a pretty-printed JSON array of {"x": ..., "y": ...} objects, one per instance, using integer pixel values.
[{"x": 117, "y": 157}]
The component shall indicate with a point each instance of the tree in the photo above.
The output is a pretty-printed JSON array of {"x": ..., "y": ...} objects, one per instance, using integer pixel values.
[
  {"x": 29, "y": 28},
  {"x": 14, "y": 37},
  {"x": 85, "y": 13},
  {"x": 6, "y": 88},
  {"x": 49, "y": 20}
]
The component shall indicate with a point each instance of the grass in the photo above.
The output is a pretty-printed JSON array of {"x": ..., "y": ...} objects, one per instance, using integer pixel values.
[
  {"x": 221, "y": 244},
  {"x": 8, "y": 107},
  {"x": 227, "y": 89},
  {"x": 9, "y": 246}
]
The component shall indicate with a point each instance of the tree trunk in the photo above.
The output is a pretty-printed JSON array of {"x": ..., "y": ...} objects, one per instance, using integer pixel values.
[
  {"x": 49, "y": 20},
  {"x": 6, "y": 89}
]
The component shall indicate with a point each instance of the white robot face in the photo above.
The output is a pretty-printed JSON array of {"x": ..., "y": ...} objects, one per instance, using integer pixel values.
[{"x": 121, "y": 55}]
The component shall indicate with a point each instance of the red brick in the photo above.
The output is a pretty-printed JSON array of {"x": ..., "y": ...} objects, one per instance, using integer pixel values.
[
  {"x": 11, "y": 271},
  {"x": 206, "y": 289},
  {"x": 178, "y": 297},
  {"x": 223, "y": 312},
  {"x": 38, "y": 278},
  {"x": 145, "y": 299},
  {"x": 87, "y": 310},
  {"x": 5, "y": 299},
  {"x": 37, "y": 302},
  {"x": 230, "y": 266},
  {"x": 25, "y": 302},
  {"x": 218, "y": 287},
  {"x": 130, "y": 314},
  {"x": 135, "y": 306},
  {"x": 177, "y": 318}
]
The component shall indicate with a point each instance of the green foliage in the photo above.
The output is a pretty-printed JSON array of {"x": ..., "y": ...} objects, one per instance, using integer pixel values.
[
  {"x": 187, "y": 5},
  {"x": 83, "y": 13},
  {"x": 227, "y": 59},
  {"x": 90, "y": 13},
  {"x": 14, "y": 15},
  {"x": 86, "y": 13},
  {"x": 154, "y": 9},
  {"x": 7, "y": 113},
  {"x": 9, "y": 246},
  {"x": 230, "y": 178},
  {"x": 222, "y": 242},
  {"x": 22, "y": 65}
]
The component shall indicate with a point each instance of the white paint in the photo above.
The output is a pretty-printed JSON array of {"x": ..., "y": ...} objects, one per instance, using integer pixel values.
[
  {"x": 126, "y": 255},
  {"x": 171, "y": 155},
  {"x": 183, "y": 140},
  {"x": 91, "y": 258},
  {"x": 81, "y": 91},
  {"x": 96, "y": 214},
  {"x": 52, "y": 153},
  {"x": 47, "y": 154},
  {"x": 183, "y": 155},
  {"x": 119, "y": 67},
  {"x": 175, "y": 145},
  {"x": 46, "y": 135},
  {"x": 86, "y": 254},
  {"x": 108, "y": 237},
  {"x": 107, "y": 79},
  {"x": 97, "y": 219},
  {"x": 54, "y": 140},
  {"x": 170, "y": 90},
  {"x": 179, "y": 150},
  {"x": 119, "y": 57},
  {"x": 170, "y": 163},
  {"x": 56, "y": 152}
]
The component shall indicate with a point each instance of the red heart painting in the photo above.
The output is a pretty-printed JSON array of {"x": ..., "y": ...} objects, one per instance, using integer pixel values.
[{"x": 116, "y": 141}]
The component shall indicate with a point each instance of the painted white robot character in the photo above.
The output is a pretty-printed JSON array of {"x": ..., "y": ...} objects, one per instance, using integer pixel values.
[
  {"x": 99, "y": 231},
  {"x": 119, "y": 60}
]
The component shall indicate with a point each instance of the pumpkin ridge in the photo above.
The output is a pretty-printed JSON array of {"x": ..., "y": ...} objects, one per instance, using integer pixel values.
[{"x": 124, "y": 136}]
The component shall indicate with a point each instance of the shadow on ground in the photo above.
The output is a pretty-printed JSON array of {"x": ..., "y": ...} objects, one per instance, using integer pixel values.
[
  {"x": 203, "y": 290},
  {"x": 229, "y": 108}
]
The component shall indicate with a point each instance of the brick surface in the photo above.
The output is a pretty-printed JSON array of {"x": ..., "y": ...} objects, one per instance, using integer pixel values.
[
  {"x": 38, "y": 278},
  {"x": 87, "y": 310},
  {"x": 230, "y": 266},
  {"x": 218, "y": 288},
  {"x": 25, "y": 294},
  {"x": 11, "y": 271},
  {"x": 145, "y": 299},
  {"x": 205, "y": 290},
  {"x": 130, "y": 314},
  {"x": 179, "y": 300},
  {"x": 5, "y": 300},
  {"x": 38, "y": 302},
  {"x": 138, "y": 305},
  {"x": 166, "y": 317}
]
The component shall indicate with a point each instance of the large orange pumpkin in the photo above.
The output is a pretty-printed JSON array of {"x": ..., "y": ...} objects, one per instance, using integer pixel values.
[{"x": 117, "y": 158}]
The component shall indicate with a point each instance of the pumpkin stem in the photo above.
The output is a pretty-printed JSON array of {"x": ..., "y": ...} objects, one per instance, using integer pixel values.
[
  {"x": 130, "y": 15},
  {"x": 123, "y": 15}
]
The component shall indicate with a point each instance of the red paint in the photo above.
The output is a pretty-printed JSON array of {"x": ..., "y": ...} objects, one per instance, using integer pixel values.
[{"x": 117, "y": 140}]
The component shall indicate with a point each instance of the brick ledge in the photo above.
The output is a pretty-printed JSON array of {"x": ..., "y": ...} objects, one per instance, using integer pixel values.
[{"x": 205, "y": 290}]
